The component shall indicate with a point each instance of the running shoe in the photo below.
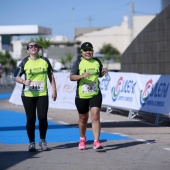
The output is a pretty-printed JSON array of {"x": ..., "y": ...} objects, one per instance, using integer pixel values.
[
  {"x": 97, "y": 145},
  {"x": 31, "y": 147},
  {"x": 43, "y": 145},
  {"x": 82, "y": 143}
]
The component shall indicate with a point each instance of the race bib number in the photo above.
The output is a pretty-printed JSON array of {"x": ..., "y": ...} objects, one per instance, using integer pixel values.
[
  {"x": 35, "y": 86},
  {"x": 89, "y": 87}
]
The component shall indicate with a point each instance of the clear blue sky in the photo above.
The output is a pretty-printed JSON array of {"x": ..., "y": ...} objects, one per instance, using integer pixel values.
[{"x": 62, "y": 16}]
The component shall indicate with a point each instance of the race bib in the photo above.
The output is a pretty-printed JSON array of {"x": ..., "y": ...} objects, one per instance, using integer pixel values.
[
  {"x": 35, "y": 86},
  {"x": 89, "y": 87}
]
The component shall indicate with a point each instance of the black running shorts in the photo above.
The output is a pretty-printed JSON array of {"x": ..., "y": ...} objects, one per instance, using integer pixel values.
[{"x": 83, "y": 105}]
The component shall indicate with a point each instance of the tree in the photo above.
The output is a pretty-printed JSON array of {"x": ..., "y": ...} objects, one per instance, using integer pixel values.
[
  {"x": 66, "y": 60},
  {"x": 109, "y": 51},
  {"x": 69, "y": 58},
  {"x": 7, "y": 61},
  {"x": 43, "y": 43},
  {"x": 63, "y": 61}
]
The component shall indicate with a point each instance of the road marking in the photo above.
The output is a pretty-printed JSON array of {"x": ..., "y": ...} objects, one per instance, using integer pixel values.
[
  {"x": 144, "y": 141},
  {"x": 168, "y": 149},
  {"x": 63, "y": 123}
]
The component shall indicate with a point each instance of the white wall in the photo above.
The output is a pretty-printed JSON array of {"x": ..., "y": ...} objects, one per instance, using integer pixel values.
[
  {"x": 140, "y": 22},
  {"x": 118, "y": 36},
  {"x": 17, "y": 48}
]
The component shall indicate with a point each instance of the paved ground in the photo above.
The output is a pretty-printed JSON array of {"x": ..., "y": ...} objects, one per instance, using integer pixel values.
[{"x": 149, "y": 148}]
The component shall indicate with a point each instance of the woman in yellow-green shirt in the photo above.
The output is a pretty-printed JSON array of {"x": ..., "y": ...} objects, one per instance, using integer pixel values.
[
  {"x": 86, "y": 71},
  {"x": 36, "y": 70}
]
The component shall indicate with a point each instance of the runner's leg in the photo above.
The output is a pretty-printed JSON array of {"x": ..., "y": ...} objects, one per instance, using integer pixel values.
[
  {"x": 83, "y": 109},
  {"x": 30, "y": 109},
  {"x": 95, "y": 105},
  {"x": 42, "y": 110}
]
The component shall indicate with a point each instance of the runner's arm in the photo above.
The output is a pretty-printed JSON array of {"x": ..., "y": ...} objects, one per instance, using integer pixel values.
[
  {"x": 74, "y": 77},
  {"x": 53, "y": 84}
]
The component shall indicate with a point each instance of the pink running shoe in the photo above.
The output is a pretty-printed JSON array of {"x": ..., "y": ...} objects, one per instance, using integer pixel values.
[
  {"x": 97, "y": 145},
  {"x": 82, "y": 143}
]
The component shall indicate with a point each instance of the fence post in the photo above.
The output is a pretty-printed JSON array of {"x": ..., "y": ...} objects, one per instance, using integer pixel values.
[
  {"x": 157, "y": 119},
  {"x": 108, "y": 110}
]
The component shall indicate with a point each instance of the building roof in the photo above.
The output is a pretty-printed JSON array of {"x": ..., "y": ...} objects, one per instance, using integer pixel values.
[
  {"x": 80, "y": 31},
  {"x": 24, "y": 30}
]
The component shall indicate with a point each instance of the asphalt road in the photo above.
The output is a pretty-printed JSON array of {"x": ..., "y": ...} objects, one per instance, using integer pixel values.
[{"x": 149, "y": 148}]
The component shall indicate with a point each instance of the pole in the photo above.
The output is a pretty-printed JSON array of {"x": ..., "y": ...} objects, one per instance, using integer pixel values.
[
  {"x": 131, "y": 19},
  {"x": 90, "y": 20},
  {"x": 73, "y": 20}
]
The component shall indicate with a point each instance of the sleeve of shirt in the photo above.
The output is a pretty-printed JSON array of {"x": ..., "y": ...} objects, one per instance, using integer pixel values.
[
  {"x": 100, "y": 66},
  {"x": 50, "y": 69},
  {"x": 75, "y": 68},
  {"x": 21, "y": 66}
]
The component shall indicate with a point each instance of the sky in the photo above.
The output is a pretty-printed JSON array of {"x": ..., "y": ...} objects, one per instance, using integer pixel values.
[{"x": 63, "y": 16}]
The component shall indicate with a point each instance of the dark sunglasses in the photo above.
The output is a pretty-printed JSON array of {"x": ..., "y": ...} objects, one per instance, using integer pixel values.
[
  {"x": 31, "y": 46},
  {"x": 87, "y": 49}
]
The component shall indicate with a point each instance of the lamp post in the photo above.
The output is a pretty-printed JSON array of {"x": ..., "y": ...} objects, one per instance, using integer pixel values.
[{"x": 73, "y": 21}]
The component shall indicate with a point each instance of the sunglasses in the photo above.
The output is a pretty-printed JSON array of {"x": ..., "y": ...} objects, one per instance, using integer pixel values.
[
  {"x": 31, "y": 46},
  {"x": 87, "y": 49}
]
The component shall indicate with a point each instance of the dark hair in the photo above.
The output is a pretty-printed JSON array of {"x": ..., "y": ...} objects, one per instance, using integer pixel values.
[{"x": 31, "y": 42}]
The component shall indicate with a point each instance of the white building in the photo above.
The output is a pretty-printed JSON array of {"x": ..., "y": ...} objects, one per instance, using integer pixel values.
[
  {"x": 120, "y": 36},
  {"x": 15, "y": 46}
]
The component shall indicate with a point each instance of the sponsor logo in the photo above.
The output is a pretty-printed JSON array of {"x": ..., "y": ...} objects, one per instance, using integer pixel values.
[
  {"x": 144, "y": 94},
  {"x": 122, "y": 88},
  {"x": 153, "y": 94}
]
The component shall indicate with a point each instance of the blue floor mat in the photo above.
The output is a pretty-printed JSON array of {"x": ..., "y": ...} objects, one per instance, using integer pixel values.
[
  {"x": 13, "y": 131},
  {"x": 5, "y": 96}
]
